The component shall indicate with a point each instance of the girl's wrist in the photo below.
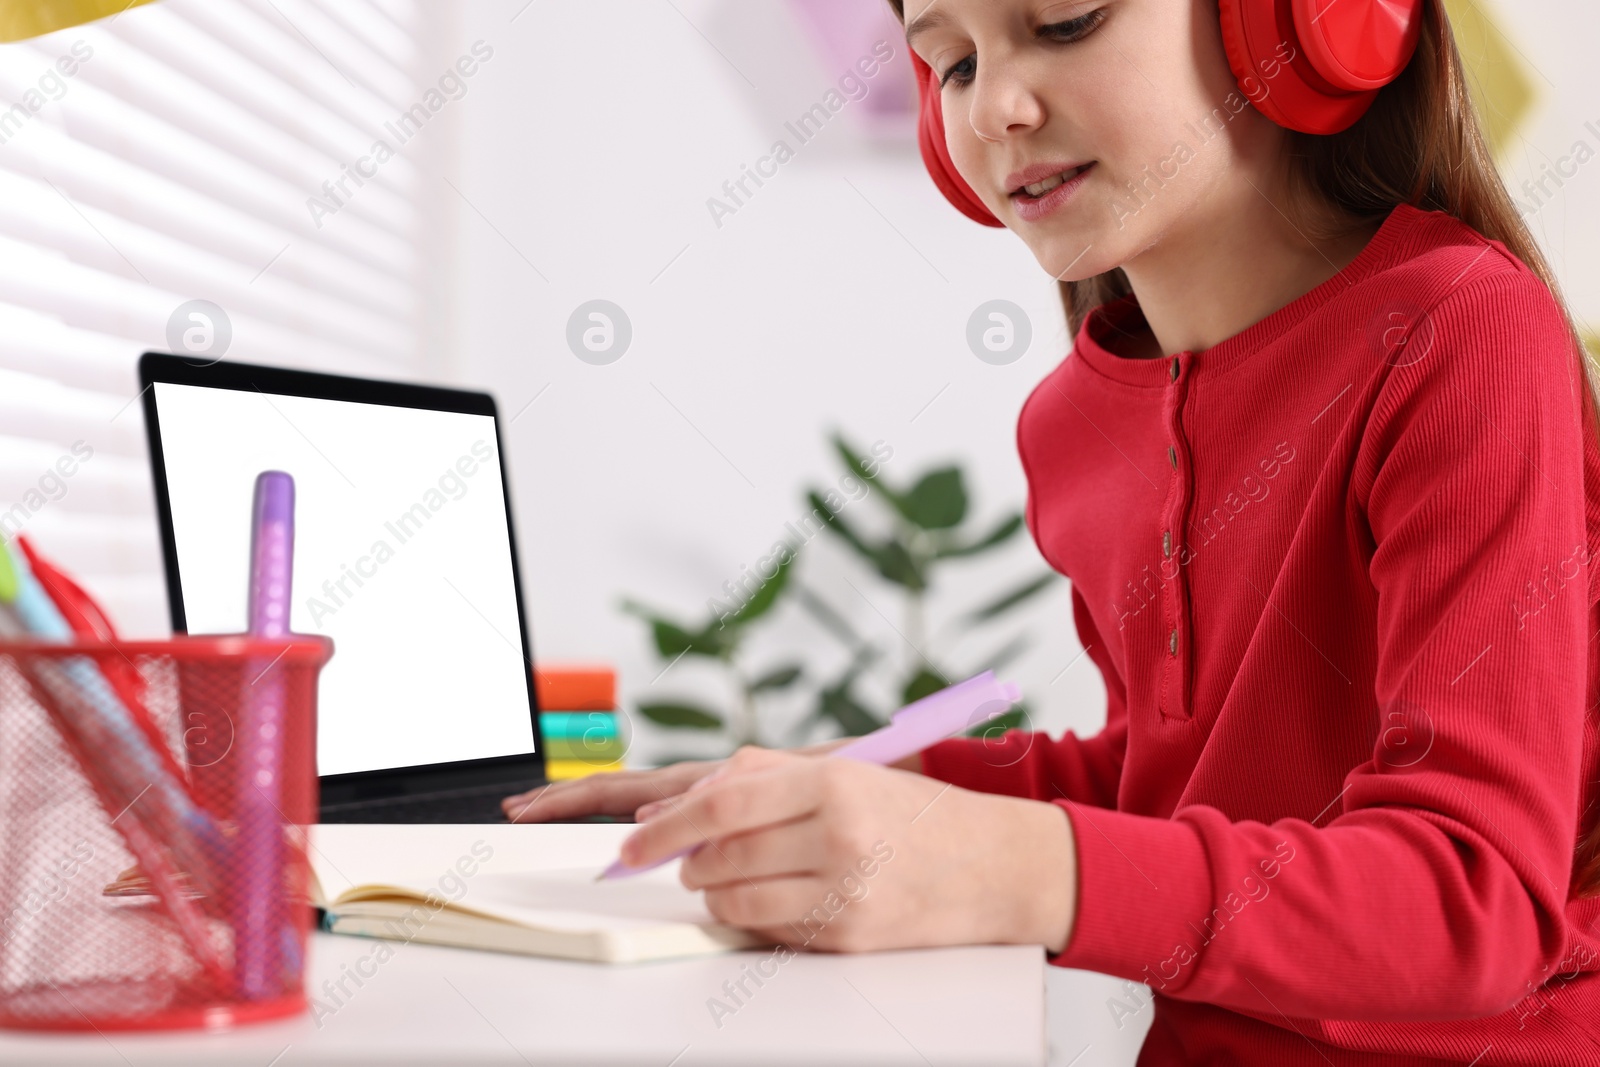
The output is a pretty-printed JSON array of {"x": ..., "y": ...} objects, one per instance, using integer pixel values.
[{"x": 1043, "y": 879}]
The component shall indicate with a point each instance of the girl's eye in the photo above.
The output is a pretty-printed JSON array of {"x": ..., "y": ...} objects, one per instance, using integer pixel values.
[
  {"x": 960, "y": 74},
  {"x": 1069, "y": 32},
  {"x": 1074, "y": 29}
]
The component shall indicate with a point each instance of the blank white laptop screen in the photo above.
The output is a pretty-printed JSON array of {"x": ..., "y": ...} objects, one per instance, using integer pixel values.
[{"x": 402, "y": 556}]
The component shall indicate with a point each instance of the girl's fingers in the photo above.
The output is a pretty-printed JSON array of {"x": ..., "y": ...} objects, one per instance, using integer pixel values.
[
  {"x": 558, "y": 800},
  {"x": 786, "y": 850},
  {"x": 648, "y": 810},
  {"x": 746, "y": 760},
  {"x": 734, "y": 803},
  {"x": 618, "y": 793},
  {"x": 628, "y": 792},
  {"x": 773, "y": 905}
]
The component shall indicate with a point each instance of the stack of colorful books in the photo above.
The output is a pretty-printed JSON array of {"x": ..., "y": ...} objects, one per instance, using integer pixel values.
[{"x": 578, "y": 718}]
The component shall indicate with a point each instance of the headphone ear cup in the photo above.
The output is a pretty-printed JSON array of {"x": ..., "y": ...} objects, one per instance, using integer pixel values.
[
  {"x": 1359, "y": 46},
  {"x": 936, "y": 154},
  {"x": 1274, "y": 72}
]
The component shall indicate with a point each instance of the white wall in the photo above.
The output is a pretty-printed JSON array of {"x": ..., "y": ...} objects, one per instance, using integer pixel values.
[
  {"x": 838, "y": 296},
  {"x": 1558, "y": 43}
]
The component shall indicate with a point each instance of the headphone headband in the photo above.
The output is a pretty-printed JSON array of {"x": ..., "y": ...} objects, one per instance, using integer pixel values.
[{"x": 936, "y": 153}]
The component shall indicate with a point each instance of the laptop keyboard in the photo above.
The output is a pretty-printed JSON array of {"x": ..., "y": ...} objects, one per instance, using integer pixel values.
[{"x": 480, "y": 804}]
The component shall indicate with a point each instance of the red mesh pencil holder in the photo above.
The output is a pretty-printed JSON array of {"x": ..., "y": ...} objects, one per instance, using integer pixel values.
[{"x": 154, "y": 799}]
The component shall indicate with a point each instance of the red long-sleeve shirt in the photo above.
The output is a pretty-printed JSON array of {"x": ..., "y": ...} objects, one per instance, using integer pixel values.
[{"x": 1335, "y": 573}]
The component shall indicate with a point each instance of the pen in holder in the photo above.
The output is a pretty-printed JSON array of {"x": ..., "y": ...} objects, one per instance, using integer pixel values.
[
  {"x": 213, "y": 930},
  {"x": 262, "y": 955}
]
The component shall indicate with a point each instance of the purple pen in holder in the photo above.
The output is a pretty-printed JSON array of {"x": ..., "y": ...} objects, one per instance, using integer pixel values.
[{"x": 264, "y": 956}]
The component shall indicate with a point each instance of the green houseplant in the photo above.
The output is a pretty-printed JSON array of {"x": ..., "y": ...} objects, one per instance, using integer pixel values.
[
  {"x": 924, "y": 529},
  {"x": 928, "y": 528},
  {"x": 721, "y": 638}
]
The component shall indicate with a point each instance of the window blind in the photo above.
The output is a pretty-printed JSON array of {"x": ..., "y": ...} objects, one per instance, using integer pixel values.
[{"x": 196, "y": 150}]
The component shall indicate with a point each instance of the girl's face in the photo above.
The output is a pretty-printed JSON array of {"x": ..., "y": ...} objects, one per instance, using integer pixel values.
[{"x": 1131, "y": 101}]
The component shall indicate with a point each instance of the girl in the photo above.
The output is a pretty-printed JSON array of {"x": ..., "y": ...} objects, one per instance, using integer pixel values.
[{"x": 1322, "y": 469}]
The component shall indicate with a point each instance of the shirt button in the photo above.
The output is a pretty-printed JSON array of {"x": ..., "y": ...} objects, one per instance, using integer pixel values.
[
  {"x": 1174, "y": 368},
  {"x": 1172, "y": 642},
  {"x": 1172, "y": 457},
  {"x": 1166, "y": 543}
]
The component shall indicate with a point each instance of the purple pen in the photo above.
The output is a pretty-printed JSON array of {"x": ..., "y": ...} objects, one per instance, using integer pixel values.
[
  {"x": 910, "y": 730},
  {"x": 262, "y": 910}
]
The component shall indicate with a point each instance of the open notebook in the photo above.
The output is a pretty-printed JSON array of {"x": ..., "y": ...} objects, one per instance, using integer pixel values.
[{"x": 526, "y": 889}]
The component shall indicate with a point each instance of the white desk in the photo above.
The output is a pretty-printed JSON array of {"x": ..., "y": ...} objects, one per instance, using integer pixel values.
[{"x": 432, "y": 1005}]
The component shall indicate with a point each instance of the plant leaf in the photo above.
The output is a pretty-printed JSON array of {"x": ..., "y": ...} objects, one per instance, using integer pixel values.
[
  {"x": 938, "y": 501},
  {"x": 672, "y": 640},
  {"x": 997, "y": 536},
  {"x": 851, "y": 457},
  {"x": 1007, "y": 601},
  {"x": 836, "y": 702},
  {"x": 896, "y": 563},
  {"x": 841, "y": 528},
  {"x": 681, "y": 715},
  {"x": 923, "y": 683},
  {"x": 781, "y": 678},
  {"x": 840, "y": 705},
  {"x": 892, "y": 559},
  {"x": 765, "y": 596}
]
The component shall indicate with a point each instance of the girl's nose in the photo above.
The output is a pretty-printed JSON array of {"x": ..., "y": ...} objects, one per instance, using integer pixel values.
[{"x": 1001, "y": 102}]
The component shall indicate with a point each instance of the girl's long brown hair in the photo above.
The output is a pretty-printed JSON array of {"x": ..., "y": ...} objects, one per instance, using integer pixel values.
[{"x": 1421, "y": 144}]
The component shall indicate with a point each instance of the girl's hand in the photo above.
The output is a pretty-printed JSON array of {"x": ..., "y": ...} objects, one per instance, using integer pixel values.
[
  {"x": 623, "y": 792},
  {"x": 849, "y": 856},
  {"x": 613, "y": 793}
]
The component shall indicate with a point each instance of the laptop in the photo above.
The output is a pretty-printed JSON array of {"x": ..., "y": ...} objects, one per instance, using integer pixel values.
[{"x": 404, "y": 555}]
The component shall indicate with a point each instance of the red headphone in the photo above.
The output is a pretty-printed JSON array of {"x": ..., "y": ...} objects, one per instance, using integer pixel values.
[{"x": 1309, "y": 65}]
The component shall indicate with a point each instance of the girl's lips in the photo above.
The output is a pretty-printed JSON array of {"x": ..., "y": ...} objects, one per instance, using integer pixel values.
[{"x": 1031, "y": 209}]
